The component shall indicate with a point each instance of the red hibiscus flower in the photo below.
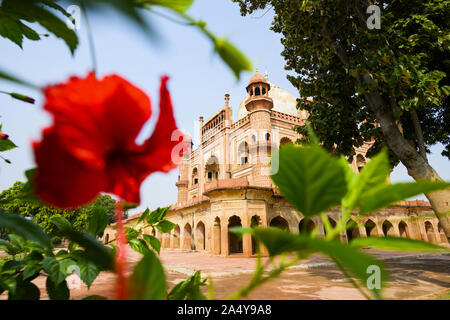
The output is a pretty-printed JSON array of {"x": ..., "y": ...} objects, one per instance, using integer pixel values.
[
  {"x": 91, "y": 146},
  {"x": 3, "y": 136}
]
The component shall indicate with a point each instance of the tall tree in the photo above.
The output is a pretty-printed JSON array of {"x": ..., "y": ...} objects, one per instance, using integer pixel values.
[{"x": 389, "y": 83}]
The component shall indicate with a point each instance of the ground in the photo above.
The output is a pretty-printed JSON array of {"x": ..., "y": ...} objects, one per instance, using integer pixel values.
[{"x": 412, "y": 276}]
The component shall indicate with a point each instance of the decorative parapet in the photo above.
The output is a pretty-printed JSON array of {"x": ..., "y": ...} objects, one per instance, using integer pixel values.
[
  {"x": 189, "y": 203},
  {"x": 286, "y": 117},
  {"x": 240, "y": 122}
]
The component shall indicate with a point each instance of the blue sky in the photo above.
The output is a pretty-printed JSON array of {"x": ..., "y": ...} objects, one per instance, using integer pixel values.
[{"x": 198, "y": 83}]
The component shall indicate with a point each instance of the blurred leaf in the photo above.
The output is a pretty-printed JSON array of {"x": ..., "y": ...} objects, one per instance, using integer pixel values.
[
  {"x": 232, "y": 56},
  {"x": 138, "y": 245},
  {"x": 165, "y": 226},
  {"x": 6, "y": 145},
  {"x": 180, "y": 6},
  {"x": 397, "y": 244},
  {"x": 153, "y": 242},
  {"x": 157, "y": 215},
  {"x": 24, "y": 290},
  {"x": 57, "y": 291},
  {"x": 309, "y": 178},
  {"x": 98, "y": 220},
  {"x": 7, "y": 76},
  {"x": 88, "y": 272},
  {"x": 188, "y": 289},
  {"x": 31, "y": 12},
  {"x": 387, "y": 194},
  {"x": 25, "y": 228},
  {"x": 148, "y": 281},
  {"x": 53, "y": 269}
]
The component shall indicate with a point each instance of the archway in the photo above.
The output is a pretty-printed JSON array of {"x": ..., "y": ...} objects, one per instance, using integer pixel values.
[
  {"x": 187, "y": 237},
  {"x": 195, "y": 176},
  {"x": 279, "y": 222},
  {"x": 352, "y": 230},
  {"x": 216, "y": 236},
  {"x": 308, "y": 228},
  {"x": 212, "y": 169},
  {"x": 284, "y": 141},
  {"x": 254, "y": 222},
  {"x": 403, "y": 229},
  {"x": 371, "y": 228},
  {"x": 234, "y": 241},
  {"x": 430, "y": 231},
  {"x": 176, "y": 237},
  {"x": 388, "y": 229},
  {"x": 200, "y": 236}
]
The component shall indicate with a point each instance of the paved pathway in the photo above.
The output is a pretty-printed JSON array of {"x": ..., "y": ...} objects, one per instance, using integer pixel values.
[{"x": 413, "y": 276}]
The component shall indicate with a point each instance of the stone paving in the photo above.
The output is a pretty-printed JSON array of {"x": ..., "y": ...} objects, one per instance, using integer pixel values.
[{"x": 412, "y": 276}]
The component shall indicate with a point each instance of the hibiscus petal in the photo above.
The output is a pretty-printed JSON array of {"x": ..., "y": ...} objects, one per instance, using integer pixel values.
[{"x": 62, "y": 180}]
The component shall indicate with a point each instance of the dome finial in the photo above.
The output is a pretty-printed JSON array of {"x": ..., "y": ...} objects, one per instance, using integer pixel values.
[
  {"x": 266, "y": 75},
  {"x": 257, "y": 70},
  {"x": 227, "y": 99}
]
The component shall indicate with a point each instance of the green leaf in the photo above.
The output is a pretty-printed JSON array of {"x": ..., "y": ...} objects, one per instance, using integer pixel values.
[
  {"x": 374, "y": 173},
  {"x": 31, "y": 271},
  {"x": 57, "y": 291},
  {"x": 98, "y": 221},
  {"x": 53, "y": 269},
  {"x": 148, "y": 281},
  {"x": 310, "y": 179},
  {"x": 157, "y": 215},
  {"x": 143, "y": 216},
  {"x": 393, "y": 243},
  {"x": 165, "y": 226},
  {"x": 88, "y": 272},
  {"x": 387, "y": 194},
  {"x": 6, "y": 145},
  {"x": 24, "y": 290},
  {"x": 347, "y": 258},
  {"x": 29, "y": 11},
  {"x": 138, "y": 245},
  {"x": 153, "y": 242},
  {"x": 232, "y": 56},
  {"x": 25, "y": 228},
  {"x": 188, "y": 289}
]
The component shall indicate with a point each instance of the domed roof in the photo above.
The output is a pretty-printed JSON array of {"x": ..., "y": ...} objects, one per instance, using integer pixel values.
[
  {"x": 283, "y": 101},
  {"x": 257, "y": 78}
]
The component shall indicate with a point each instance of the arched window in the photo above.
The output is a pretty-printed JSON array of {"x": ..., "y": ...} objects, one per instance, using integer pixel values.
[
  {"x": 352, "y": 230},
  {"x": 212, "y": 168},
  {"x": 243, "y": 153},
  {"x": 195, "y": 176},
  {"x": 279, "y": 222},
  {"x": 257, "y": 91},
  {"x": 308, "y": 228},
  {"x": 403, "y": 229},
  {"x": 370, "y": 227},
  {"x": 267, "y": 136},
  {"x": 234, "y": 241},
  {"x": 263, "y": 91},
  {"x": 388, "y": 228}
]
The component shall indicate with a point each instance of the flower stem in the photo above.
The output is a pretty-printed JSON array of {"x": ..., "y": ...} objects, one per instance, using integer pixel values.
[
  {"x": 121, "y": 255},
  {"x": 90, "y": 38}
]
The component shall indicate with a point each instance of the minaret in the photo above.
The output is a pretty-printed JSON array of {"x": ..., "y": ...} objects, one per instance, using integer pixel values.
[
  {"x": 183, "y": 174},
  {"x": 259, "y": 106}
]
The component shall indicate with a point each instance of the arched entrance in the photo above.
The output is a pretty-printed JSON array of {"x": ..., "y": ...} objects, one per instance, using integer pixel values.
[
  {"x": 403, "y": 229},
  {"x": 352, "y": 230},
  {"x": 371, "y": 228},
  {"x": 254, "y": 222},
  {"x": 309, "y": 227},
  {"x": 216, "y": 236},
  {"x": 388, "y": 229},
  {"x": 176, "y": 237},
  {"x": 200, "y": 236},
  {"x": 187, "y": 237},
  {"x": 234, "y": 241},
  {"x": 430, "y": 231},
  {"x": 285, "y": 140},
  {"x": 279, "y": 222}
]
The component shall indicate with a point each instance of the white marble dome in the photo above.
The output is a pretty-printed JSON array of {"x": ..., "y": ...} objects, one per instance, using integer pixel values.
[{"x": 283, "y": 102}]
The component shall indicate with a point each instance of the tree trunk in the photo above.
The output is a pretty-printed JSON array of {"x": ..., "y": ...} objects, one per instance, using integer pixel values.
[{"x": 418, "y": 168}]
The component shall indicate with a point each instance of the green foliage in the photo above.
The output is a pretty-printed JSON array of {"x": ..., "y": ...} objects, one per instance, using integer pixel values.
[
  {"x": 392, "y": 243},
  {"x": 188, "y": 289},
  {"x": 407, "y": 60},
  {"x": 148, "y": 281},
  {"x": 310, "y": 179},
  {"x": 19, "y": 200}
]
